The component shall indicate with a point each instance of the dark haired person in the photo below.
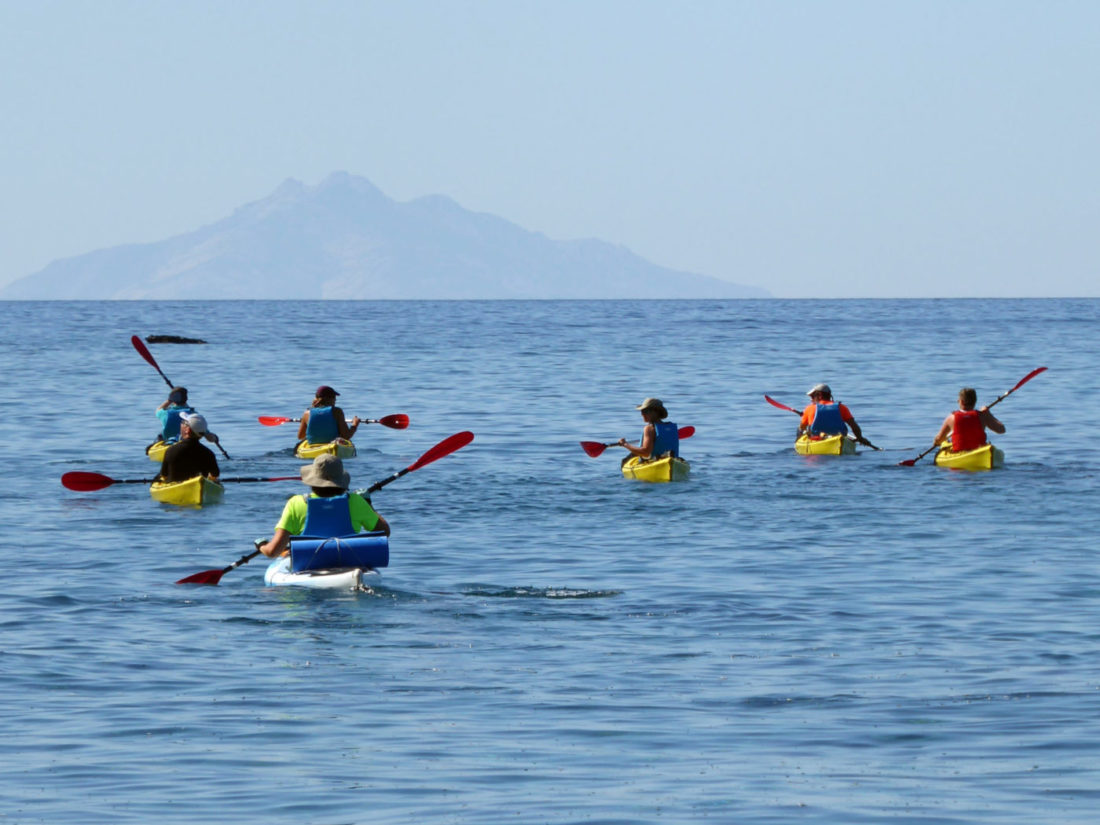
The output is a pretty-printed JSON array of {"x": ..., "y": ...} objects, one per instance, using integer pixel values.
[
  {"x": 966, "y": 426},
  {"x": 324, "y": 422}
]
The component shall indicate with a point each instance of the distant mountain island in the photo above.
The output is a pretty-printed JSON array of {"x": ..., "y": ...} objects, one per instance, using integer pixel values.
[{"x": 345, "y": 240}]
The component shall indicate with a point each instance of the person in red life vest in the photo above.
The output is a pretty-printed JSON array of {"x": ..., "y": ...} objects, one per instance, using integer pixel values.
[
  {"x": 324, "y": 421},
  {"x": 966, "y": 426},
  {"x": 823, "y": 417}
]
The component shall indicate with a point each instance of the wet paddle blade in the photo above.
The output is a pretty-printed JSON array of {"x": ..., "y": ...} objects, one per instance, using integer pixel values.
[
  {"x": 86, "y": 481},
  {"x": 594, "y": 448},
  {"x": 686, "y": 432},
  {"x": 205, "y": 577},
  {"x": 909, "y": 462},
  {"x": 395, "y": 422}
]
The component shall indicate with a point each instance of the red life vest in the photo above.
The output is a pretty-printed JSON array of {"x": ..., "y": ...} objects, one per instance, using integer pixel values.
[{"x": 968, "y": 432}]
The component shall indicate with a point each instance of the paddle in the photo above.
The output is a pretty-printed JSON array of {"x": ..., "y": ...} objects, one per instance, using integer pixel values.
[
  {"x": 96, "y": 481},
  {"x": 775, "y": 403},
  {"x": 440, "y": 450},
  {"x": 909, "y": 462},
  {"x": 143, "y": 351},
  {"x": 596, "y": 448},
  {"x": 395, "y": 422}
]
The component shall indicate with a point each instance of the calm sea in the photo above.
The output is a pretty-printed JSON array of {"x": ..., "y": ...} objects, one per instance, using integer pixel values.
[{"x": 777, "y": 640}]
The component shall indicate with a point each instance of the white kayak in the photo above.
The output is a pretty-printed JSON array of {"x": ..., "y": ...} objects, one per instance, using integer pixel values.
[
  {"x": 339, "y": 563},
  {"x": 279, "y": 574}
]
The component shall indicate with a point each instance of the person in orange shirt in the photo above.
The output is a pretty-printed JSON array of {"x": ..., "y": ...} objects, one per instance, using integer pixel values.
[
  {"x": 824, "y": 416},
  {"x": 966, "y": 426}
]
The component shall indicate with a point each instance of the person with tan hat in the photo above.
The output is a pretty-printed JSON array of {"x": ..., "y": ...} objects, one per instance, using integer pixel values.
[
  {"x": 329, "y": 510},
  {"x": 659, "y": 437},
  {"x": 324, "y": 422},
  {"x": 189, "y": 457},
  {"x": 823, "y": 416}
]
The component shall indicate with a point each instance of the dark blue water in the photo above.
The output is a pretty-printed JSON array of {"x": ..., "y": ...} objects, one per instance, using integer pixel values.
[{"x": 777, "y": 640}]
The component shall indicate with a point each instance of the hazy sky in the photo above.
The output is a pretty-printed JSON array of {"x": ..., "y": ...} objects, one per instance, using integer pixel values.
[{"x": 817, "y": 149}]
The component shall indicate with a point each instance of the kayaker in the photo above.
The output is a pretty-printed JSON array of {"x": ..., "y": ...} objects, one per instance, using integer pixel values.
[
  {"x": 329, "y": 510},
  {"x": 966, "y": 427},
  {"x": 824, "y": 416},
  {"x": 189, "y": 457},
  {"x": 659, "y": 437},
  {"x": 169, "y": 414},
  {"x": 324, "y": 421}
]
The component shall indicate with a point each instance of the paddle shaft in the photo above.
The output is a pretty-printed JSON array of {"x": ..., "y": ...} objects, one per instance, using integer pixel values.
[{"x": 97, "y": 481}]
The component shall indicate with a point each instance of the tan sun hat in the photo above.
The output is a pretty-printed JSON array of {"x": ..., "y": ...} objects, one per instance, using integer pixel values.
[
  {"x": 821, "y": 388},
  {"x": 326, "y": 471},
  {"x": 654, "y": 404}
]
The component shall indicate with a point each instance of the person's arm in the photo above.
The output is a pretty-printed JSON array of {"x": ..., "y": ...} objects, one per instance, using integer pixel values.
[
  {"x": 645, "y": 449},
  {"x": 302, "y": 426},
  {"x": 807, "y": 419},
  {"x": 945, "y": 430},
  {"x": 382, "y": 525},
  {"x": 278, "y": 545},
  {"x": 990, "y": 421},
  {"x": 342, "y": 427},
  {"x": 857, "y": 432}
]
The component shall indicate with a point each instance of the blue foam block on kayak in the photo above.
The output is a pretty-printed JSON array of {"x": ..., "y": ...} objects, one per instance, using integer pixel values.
[{"x": 360, "y": 550}]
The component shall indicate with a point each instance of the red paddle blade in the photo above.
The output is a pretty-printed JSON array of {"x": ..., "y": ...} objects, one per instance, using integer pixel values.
[
  {"x": 909, "y": 462},
  {"x": 395, "y": 422},
  {"x": 594, "y": 448},
  {"x": 273, "y": 420},
  {"x": 443, "y": 448},
  {"x": 143, "y": 350},
  {"x": 775, "y": 403},
  {"x": 686, "y": 432},
  {"x": 86, "y": 481},
  {"x": 205, "y": 577},
  {"x": 1027, "y": 378}
]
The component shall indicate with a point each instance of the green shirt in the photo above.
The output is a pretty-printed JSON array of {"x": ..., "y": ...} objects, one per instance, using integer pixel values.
[{"x": 293, "y": 519}]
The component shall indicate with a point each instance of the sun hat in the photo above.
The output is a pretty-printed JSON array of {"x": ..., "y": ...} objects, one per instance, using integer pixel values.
[
  {"x": 821, "y": 388},
  {"x": 324, "y": 390},
  {"x": 326, "y": 471},
  {"x": 195, "y": 421},
  {"x": 654, "y": 404}
]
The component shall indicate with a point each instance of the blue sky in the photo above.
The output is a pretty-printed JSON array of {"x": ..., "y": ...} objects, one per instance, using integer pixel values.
[{"x": 817, "y": 149}]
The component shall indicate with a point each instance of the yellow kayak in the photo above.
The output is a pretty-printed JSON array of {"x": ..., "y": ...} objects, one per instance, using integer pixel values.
[
  {"x": 825, "y": 445},
  {"x": 341, "y": 448},
  {"x": 986, "y": 457},
  {"x": 195, "y": 492},
  {"x": 661, "y": 469},
  {"x": 157, "y": 449}
]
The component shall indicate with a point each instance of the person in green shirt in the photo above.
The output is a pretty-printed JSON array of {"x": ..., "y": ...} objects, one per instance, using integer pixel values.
[{"x": 327, "y": 480}]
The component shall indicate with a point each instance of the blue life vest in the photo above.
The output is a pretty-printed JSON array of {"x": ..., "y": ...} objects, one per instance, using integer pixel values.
[
  {"x": 321, "y": 427},
  {"x": 827, "y": 420},
  {"x": 667, "y": 439},
  {"x": 329, "y": 543},
  {"x": 170, "y": 430}
]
